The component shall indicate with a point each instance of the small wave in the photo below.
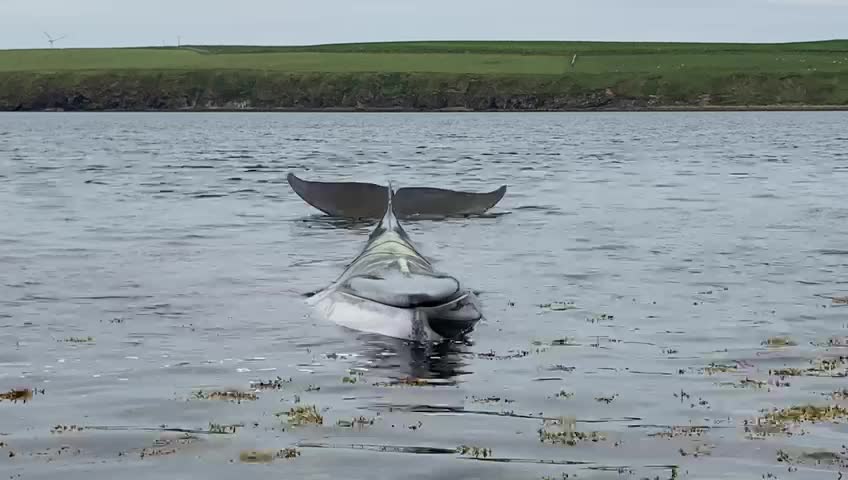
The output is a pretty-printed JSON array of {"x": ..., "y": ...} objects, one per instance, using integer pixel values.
[
  {"x": 830, "y": 251},
  {"x": 193, "y": 167},
  {"x": 208, "y": 195}
]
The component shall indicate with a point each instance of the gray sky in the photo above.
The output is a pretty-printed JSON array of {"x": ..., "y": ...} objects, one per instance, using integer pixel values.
[{"x": 102, "y": 23}]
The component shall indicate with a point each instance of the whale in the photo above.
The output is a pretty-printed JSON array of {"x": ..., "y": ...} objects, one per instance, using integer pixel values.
[
  {"x": 363, "y": 200},
  {"x": 391, "y": 289}
]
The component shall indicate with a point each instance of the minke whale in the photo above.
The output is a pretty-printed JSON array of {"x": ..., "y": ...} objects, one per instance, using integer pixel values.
[
  {"x": 391, "y": 289},
  {"x": 368, "y": 200}
]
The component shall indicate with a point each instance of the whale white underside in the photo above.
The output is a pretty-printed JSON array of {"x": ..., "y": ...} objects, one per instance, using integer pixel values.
[{"x": 364, "y": 315}]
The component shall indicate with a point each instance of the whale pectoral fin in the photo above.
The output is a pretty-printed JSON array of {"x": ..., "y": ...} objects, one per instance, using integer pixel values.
[{"x": 368, "y": 200}]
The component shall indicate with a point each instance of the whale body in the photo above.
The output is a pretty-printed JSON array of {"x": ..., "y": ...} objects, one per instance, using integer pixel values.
[{"x": 391, "y": 289}]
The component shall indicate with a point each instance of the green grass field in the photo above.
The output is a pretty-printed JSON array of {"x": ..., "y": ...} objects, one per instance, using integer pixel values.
[
  {"x": 539, "y": 58},
  {"x": 425, "y": 75}
]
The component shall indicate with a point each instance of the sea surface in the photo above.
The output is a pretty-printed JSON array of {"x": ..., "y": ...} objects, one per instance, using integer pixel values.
[{"x": 653, "y": 283}]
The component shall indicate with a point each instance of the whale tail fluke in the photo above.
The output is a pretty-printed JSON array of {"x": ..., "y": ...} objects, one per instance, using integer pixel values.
[{"x": 368, "y": 200}]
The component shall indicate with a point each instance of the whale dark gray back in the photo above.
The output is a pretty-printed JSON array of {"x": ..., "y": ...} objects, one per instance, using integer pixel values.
[{"x": 368, "y": 200}]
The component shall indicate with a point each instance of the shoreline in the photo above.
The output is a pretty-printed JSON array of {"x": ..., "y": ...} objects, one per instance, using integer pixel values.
[{"x": 657, "y": 109}]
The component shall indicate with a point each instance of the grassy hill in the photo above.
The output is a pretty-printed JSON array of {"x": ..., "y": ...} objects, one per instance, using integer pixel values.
[{"x": 429, "y": 75}]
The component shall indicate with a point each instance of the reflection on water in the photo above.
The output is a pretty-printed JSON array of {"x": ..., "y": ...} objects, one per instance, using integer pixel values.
[
  {"x": 654, "y": 287},
  {"x": 441, "y": 360}
]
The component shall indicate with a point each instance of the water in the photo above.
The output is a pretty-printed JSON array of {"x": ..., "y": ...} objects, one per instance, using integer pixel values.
[{"x": 175, "y": 243}]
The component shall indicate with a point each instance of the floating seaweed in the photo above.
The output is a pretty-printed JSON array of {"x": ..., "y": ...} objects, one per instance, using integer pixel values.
[
  {"x": 825, "y": 367},
  {"x": 674, "y": 431},
  {"x": 700, "y": 450},
  {"x": 491, "y": 355},
  {"x": 360, "y": 422},
  {"x": 287, "y": 453},
  {"x": 275, "y": 384},
  {"x": 836, "y": 300},
  {"x": 218, "y": 428},
  {"x": 564, "y": 394},
  {"x": 600, "y": 318},
  {"x": 303, "y": 415},
  {"x": 228, "y": 395},
  {"x": 567, "y": 434},
  {"x": 415, "y": 382},
  {"x": 714, "y": 368},
  {"x": 558, "y": 306},
  {"x": 807, "y": 413},
  {"x": 59, "y": 429},
  {"x": 166, "y": 446},
  {"x": 88, "y": 339},
  {"x": 817, "y": 457},
  {"x": 253, "y": 456},
  {"x": 840, "y": 394},
  {"x": 747, "y": 383},
  {"x": 491, "y": 399},
  {"x": 837, "y": 342},
  {"x": 779, "y": 342},
  {"x": 780, "y": 421},
  {"x": 17, "y": 395},
  {"x": 606, "y": 400},
  {"x": 268, "y": 456},
  {"x": 476, "y": 452}
]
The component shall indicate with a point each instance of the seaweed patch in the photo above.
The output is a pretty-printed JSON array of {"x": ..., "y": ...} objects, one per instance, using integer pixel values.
[
  {"x": 781, "y": 421},
  {"x": 267, "y": 456},
  {"x": 779, "y": 342},
  {"x": 16, "y": 395},
  {"x": 274, "y": 384},
  {"x": 227, "y": 395},
  {"x": 564, "y": 431},
  {"x": 303, "y": 415},
  {"x": 476, "y": 452}
]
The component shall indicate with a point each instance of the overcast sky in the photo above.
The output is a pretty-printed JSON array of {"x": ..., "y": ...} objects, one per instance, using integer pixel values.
[{"x": 102, "y": 23}]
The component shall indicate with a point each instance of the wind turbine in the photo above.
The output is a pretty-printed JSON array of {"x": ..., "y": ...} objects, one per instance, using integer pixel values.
[{"x": 52, "y": 40}]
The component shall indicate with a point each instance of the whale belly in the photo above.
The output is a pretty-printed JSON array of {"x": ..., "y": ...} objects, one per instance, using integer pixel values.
[{"x": 368, "y": 316}]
